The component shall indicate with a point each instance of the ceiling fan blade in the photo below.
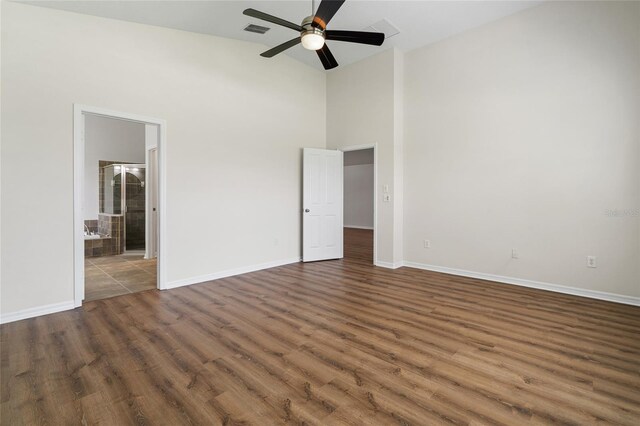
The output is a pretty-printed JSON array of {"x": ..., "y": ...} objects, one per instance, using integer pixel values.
[
  {"x": 280, "y": 48},
  {"x": 325, "y": 12},
  {"x": 361, "y": 37},
  {"x": 270, "y": 18},
  {"x": 327, "y": 59}
]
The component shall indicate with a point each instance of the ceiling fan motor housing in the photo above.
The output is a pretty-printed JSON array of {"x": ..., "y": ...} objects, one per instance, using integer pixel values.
[{"x": 309, "y": 33}]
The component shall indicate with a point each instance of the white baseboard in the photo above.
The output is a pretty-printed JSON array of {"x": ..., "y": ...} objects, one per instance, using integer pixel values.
[
  {"x": 592, "y": 294},
  {"x": 370, "y": 228},
  {"x": 600, "y": 295},
  {"x": 389, "y": 265},
  {"x": 230, "y": 272},
  {"x": 36, "y": 312}
]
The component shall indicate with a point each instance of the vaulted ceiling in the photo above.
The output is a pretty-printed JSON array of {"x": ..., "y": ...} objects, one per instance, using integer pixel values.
[{"x": 419, "y": 22}]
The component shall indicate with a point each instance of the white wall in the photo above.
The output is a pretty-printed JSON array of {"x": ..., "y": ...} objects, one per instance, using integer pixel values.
[
  {"x": 519, "y": 134},
  {"x": 235, "y": 132},
  {"x": 361, "y": 110},
  {"x": 358, "y": 189},
  {"x": 522, "y": 134},
  {"x": 111, "y": 140},
  {"x": 398, "y": 158}
]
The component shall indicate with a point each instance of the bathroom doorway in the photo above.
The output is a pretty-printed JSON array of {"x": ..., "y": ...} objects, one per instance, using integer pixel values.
[{"x": 118, "y": 203}]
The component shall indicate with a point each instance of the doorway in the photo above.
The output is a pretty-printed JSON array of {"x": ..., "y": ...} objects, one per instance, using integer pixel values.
[
  {"x": 359, "y": 203},
  {"x": 118, "y": 183}
]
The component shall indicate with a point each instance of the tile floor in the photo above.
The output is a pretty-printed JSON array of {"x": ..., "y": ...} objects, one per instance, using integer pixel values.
[{"x": 110, "y": 276}]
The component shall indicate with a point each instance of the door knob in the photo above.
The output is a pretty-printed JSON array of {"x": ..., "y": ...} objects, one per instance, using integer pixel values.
[{"x": 307, "y": 210}]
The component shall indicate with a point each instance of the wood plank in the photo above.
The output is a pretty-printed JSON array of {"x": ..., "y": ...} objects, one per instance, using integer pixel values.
[{"x": 337, "y": 342}]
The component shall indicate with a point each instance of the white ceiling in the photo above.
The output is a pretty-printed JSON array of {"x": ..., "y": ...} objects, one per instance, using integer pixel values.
[{"x": 419, "y": 22}]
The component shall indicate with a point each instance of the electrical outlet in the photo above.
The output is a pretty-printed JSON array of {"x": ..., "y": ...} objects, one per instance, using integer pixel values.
[
  {"x": 427, "y": 243},
  {"x": 515, "y": 254},
  {"x": 591, "y": 262}
]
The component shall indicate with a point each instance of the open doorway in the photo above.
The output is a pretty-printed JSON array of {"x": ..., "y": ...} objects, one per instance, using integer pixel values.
[
  {"x": 116, "y": 204},
  {"x": 359, "y": 204}
]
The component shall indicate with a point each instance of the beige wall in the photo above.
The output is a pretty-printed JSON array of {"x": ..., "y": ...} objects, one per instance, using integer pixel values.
[
  {"x": 522, "y": 134},
  {"x": 235, "y": 129}
]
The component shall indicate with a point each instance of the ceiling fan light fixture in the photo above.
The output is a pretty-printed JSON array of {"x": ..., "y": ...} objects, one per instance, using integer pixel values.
[
  {"x": 313, "y": 32},
  {"x": 313, "y": 39}
]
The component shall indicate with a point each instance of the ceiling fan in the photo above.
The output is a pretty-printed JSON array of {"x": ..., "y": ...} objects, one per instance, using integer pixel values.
[{"x": 313, "y": 32}]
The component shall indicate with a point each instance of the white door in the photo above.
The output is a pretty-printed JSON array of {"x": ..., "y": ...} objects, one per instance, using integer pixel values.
[{"x": 322, "y": 205}]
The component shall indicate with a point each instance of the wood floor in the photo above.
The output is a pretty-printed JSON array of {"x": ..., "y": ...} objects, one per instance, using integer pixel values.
[{"x": 337, "y": 342}]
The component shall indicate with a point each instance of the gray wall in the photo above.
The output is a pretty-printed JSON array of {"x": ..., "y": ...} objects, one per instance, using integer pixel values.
[{"x": 358, "y": 188}]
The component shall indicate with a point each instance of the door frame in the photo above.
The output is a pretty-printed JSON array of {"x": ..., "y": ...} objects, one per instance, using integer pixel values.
[
  {"x": 79, "y": 112},
  {"x": 151, "y": 232},
  {"x": 375, "y": 191}
]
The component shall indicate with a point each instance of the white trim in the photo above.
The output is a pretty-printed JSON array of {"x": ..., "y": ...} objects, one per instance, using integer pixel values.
[
  {"x": 78, "y": 194},
  {"x": 147, "y": 203},
  {"x": 592, "y": 294},
  {"x": 370, "y": 228},
  {"x": 389, "y": 265},
  {"x": 357, "y": 147},
  {"x": 37, "y": 311},
  {"x": 150, "y": 235},
  {"x": 78, "y": 174},
  {"x": 231, "y": 272},
  {"x": 373, "y": 146}
]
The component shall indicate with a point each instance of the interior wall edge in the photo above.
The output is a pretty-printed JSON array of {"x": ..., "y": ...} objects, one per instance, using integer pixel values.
[
  {"x": 556, "y": 288},
  {"x": 388, "y": 265}
]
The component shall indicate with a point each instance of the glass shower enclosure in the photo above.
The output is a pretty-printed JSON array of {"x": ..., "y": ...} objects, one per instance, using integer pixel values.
[{"x": 123, "y": 193}]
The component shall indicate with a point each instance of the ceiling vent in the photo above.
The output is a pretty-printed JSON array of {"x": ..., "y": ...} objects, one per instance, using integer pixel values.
[
  {"x": 385, "y": 27},
  {"x": 256, "y": 29}
]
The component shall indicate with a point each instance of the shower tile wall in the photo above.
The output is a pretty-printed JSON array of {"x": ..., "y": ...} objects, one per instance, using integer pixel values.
[
  {"x": 101, "y": 166},
  {"x": 92, "y": 225},
  {"x": 112, "y": 225},
  {"x": 135, "y": 216},
  {"x": 110, "y": 228},
  {"x": 98, "y": 247}
]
